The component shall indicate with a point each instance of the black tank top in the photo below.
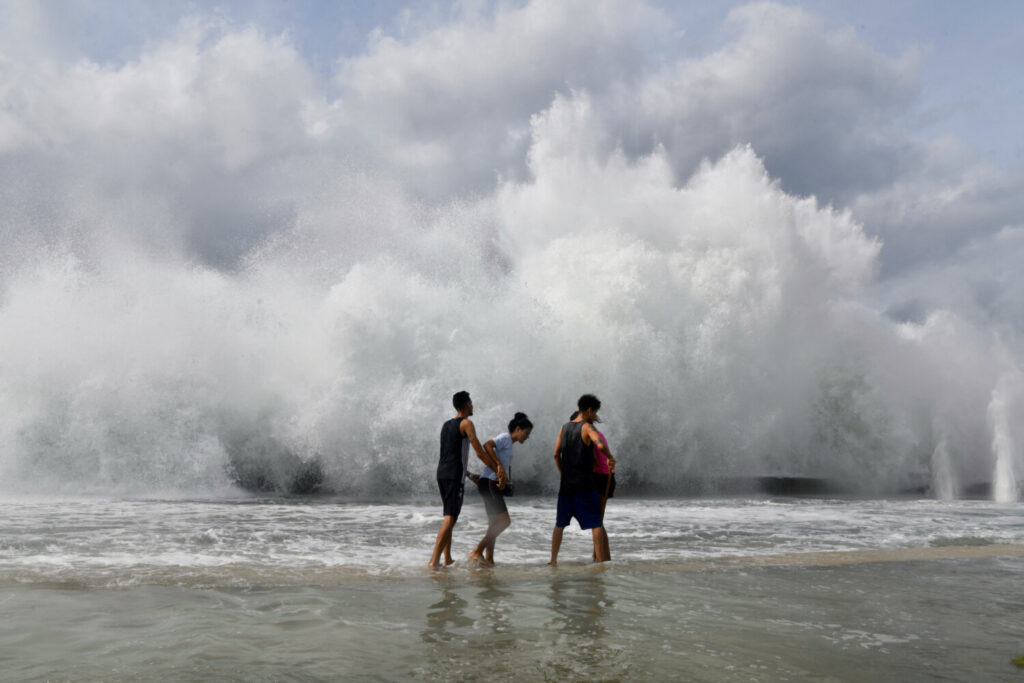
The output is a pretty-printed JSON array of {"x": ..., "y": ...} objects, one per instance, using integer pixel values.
[
  {"x": 577, "y": 461},
  {"x": 450, "y": 464}
]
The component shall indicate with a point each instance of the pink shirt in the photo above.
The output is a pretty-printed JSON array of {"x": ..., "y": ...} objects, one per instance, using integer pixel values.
[{"x": 600, "y": 459}]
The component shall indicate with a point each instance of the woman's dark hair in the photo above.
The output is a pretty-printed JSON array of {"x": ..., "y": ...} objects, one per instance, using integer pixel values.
[
  {"x": 519, "y": 421},
  {"x": 574, "y": 415},
  {"x": 460, "y": 400},
  {"x": 588, "y": 401}
]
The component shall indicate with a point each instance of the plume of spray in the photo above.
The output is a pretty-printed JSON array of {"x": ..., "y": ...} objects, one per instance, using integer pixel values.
[
  {"x": 1006, "y": 397},
  {"x": 944, "y": 483},
  {"x": 722, "y": 322}
]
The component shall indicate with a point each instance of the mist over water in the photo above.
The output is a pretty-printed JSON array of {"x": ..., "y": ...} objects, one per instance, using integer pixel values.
[
  {"x": 719, "y": 321},
  {"x": 317, "y": 339},
  {"x": 1005, "y": 486}
]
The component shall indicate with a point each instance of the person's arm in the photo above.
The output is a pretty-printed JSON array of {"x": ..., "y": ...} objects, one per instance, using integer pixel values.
[
  {"x": 469, "y": 431},
  {"x": 558, "y": 451},
  {"x": 494, "y": 463},
  {"x": 490, "y": 457},
  {"x": 607, "y": 452}
]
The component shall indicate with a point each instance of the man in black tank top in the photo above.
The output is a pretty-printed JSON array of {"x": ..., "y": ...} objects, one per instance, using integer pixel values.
[
  {"x": 577, "y": 497},
  {"x": 457, "y": 435}
]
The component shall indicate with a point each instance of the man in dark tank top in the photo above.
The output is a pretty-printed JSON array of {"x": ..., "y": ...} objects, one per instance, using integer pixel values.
[
  {"x": 577, "y": 495},
  {"x": 457, "y": 435}
]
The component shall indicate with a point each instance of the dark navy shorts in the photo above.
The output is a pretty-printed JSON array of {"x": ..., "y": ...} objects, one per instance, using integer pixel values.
[
  {"x": 451, "y": 496},
  {"x": 585, "y": 507},
  {"x": 494, "y": 498}
]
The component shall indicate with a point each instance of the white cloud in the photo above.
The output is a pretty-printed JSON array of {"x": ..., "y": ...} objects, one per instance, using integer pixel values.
[
  {"x": 460, "y": 95},
  {"x": 179, "y": 148},
  {"x": 210, "y": 117},
  {"x": 817, "y": 102}
]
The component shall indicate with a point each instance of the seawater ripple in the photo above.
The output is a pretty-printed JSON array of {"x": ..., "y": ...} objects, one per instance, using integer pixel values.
[{"x": 252, "y": 542}]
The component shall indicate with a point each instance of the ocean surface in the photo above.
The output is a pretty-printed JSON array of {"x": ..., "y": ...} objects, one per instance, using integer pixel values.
[{"x": 257, "y": 589}]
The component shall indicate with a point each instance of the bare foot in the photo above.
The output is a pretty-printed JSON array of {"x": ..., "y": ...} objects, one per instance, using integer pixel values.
[
  {"x": 479, "y": 560},
  {"x": 433, "y": 565},
  {"x": 448, "y": 561},
  {"x": 553, "y": 563}
]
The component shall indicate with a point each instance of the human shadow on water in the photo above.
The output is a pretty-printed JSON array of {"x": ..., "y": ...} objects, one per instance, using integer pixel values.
[
  {"x": 580, "y": 603},
  {"x": 581, "y": 606},
  {"x": 448, "y": 635},
  {"x": 495, "y": 607},
  {"x": 444, "y": 616}
]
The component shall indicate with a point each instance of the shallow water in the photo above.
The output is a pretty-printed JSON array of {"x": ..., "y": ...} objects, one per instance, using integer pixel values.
[{"x": 710, "y": 590}]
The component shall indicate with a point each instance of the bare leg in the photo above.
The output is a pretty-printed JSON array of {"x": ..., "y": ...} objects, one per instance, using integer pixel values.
[
  {"x": 556, "y": 543},
  {"x": 443, "y": 544},
  {"x": 604, "y": 501},
  {"x": 484, "y": 550},
  {"x": 448, "y": 548},
  {"x": 601, "y": 551},
  {"x": 489, "y": 553},
  {"x": 500, "y": 523},
  {"x": 477, "y": 553}
]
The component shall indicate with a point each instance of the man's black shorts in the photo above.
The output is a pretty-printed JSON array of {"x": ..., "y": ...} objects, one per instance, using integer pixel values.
[
  {"x": 494, "y": 499},
  {"x": 451, "y": 496}
]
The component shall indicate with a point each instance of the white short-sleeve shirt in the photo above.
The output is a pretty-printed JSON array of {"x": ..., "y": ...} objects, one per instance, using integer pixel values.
[{"x": 503, "y": 449}]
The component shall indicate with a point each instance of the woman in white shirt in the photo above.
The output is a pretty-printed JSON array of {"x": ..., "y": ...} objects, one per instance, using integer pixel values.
[{"x": 494, "y": 484}]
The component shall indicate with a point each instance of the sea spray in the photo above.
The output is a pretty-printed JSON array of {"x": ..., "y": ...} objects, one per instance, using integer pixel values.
[
  {"x": 944, "y": 484},
  {"x": 721, "y": 320},
  {"x": 1005, "y": 488}
]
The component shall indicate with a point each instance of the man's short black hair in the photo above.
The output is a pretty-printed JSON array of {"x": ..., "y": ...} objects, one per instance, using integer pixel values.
[
  {"x": 588, "y": 401},
  {"x": 460, "y": 400}
]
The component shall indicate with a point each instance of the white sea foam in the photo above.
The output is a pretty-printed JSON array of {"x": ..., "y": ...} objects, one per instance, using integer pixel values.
[{"x": 99, "y": 542}]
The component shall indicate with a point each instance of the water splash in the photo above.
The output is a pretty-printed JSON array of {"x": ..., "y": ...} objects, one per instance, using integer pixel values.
[
  {"x": 723, "y": 323},
  {"x": 1005, "y": 488},
  {"x": 944, "y": 483}
]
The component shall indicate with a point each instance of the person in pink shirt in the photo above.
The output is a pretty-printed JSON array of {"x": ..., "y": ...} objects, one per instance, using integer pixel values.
[{"x": 604, "y": 477}]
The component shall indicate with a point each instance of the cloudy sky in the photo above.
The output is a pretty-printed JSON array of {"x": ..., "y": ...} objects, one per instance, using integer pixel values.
[{"x": 907, "y": 114}]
